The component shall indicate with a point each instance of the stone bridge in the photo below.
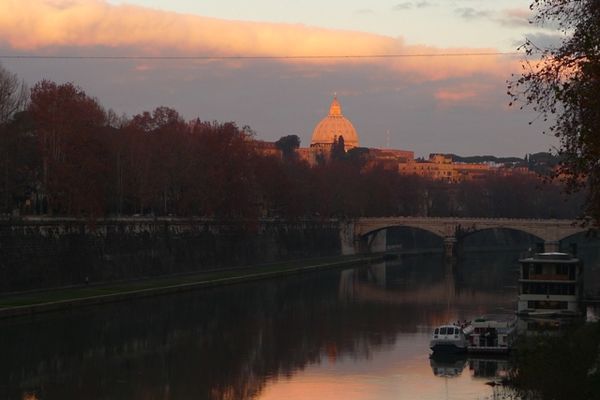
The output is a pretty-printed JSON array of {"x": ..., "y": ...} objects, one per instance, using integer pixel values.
[{"x": 368, "y": 234}]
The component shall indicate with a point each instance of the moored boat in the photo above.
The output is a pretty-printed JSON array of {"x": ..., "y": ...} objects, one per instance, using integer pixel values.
[
  {"x": 495, "y": 333},
  {"x": 492, "y": 334},
  {"x": 448, "y": 339}
]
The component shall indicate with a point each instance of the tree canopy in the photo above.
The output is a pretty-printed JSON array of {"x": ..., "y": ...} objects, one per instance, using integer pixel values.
[
  {"x": 563, "y": 86},
  {"x": 13, "y": 95},
  {"x": 288, "y": 146}
]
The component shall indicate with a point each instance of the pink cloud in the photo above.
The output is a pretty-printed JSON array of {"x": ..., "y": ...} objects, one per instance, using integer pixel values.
[
  {"x": 47, "y": 25},
  {"x": 455, "y": 95},
  {"x": 472, "y": 93},
  {"x": 142, "y": 67}
]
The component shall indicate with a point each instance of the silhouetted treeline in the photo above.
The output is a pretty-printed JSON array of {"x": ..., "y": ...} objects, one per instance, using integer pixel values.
[{"x": 64, "y": 154}]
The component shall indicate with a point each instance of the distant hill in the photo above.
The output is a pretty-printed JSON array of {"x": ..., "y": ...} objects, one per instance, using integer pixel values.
[
  {"x": 487, "y": 159},
  {"x": 543, "y": 163}
]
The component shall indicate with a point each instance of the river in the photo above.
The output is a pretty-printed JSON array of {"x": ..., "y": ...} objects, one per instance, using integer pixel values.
[{"x": 361, "y": 333}]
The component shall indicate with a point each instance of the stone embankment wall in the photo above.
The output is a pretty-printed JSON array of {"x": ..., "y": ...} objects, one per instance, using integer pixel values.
[{"x": 39, "y": 253}]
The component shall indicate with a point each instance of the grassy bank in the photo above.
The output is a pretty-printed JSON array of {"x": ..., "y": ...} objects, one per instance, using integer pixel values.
[{"x": 56, "y": 299}]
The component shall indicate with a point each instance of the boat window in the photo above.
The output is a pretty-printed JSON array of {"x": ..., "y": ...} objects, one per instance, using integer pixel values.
[
  {"x": 562, "y": 269},
  {"x": 442, "y": 331},
  {"x": 437, "y": 330},
  {"x": 450, "y": 331}
]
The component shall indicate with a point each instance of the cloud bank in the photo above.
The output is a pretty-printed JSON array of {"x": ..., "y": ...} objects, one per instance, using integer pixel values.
[{"x": 51, "y": 25}]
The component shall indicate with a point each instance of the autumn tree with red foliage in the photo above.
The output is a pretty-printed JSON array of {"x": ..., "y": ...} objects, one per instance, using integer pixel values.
[
  {"x": 224, "y": 170},
  {"x": 157, "y": 146},
  {"x": 70, "y": 127}
]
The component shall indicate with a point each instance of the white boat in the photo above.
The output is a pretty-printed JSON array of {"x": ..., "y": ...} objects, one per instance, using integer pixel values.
[
  {"x": 495, "y": 333},
  {"x": 550, "y": 285},
  {"x": 492, "y": 334},
  {"x": 449, "y": 339}
]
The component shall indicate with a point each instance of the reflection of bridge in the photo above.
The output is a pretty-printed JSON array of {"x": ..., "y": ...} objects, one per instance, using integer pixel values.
[{"x": 366, "y": 234}]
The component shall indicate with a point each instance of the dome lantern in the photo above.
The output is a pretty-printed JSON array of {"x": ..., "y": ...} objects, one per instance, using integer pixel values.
[{"x": 335, "y": 109}]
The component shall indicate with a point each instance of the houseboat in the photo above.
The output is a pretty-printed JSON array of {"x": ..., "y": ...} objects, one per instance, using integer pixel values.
[
  {"x": 492, "y": 334},
  {"x": 550, "y": 285}
]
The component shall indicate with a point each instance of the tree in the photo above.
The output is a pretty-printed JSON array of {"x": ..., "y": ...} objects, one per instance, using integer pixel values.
[
  {"x": 288, "y": 146},
  {"x": 70, "y": 128},
  {"x": 563, "y": 87},
  {"x": 19, "y": 164},
  {"x": 358, "y": 157},
  {"x": 338, "y": 149},
  {"x": 13, "y": 95},
  {"x": 158, "y": 159},
  {"x": 18, "y": 156}
]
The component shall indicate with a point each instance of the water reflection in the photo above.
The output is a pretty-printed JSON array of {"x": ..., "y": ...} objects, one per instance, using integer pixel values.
[
  {"x": 491, "y": 368},
  {"x": 447, "y": 365},
  {"x": 592, "y": 313},
  {"x": 361, "y": 333}
]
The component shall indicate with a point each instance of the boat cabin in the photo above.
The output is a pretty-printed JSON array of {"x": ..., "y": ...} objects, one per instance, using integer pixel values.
[
  {"x": 448, "y": 338},
  {"x": 550, "y": 284},
  {"x": 492, "y": 334}
]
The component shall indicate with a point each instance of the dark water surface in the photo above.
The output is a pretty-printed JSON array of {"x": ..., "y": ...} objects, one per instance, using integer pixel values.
[{"x": 361, "y": 333}]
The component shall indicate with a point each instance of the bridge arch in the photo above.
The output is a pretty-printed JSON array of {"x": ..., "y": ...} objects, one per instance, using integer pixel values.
[
  {"x": 496, "y": 238},
  {"x": 580, "y": 235},
  {"x": 474, "y": 231},
  {"x": 579, "y": 241},
  {"x": 435, "y": 232},
  {"x": 470, "y": 233},
  {"x": 412, "y": 239}
]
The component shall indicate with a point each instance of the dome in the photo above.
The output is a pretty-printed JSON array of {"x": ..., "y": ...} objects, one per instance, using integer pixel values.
[{"x": 333, "y": 126}]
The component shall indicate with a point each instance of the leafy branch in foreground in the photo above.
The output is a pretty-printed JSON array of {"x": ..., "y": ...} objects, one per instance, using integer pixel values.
[{"x": 563, "y": 86}]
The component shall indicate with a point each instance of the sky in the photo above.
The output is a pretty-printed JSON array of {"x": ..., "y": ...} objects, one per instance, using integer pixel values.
[{"x": 437, "y": 97}]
